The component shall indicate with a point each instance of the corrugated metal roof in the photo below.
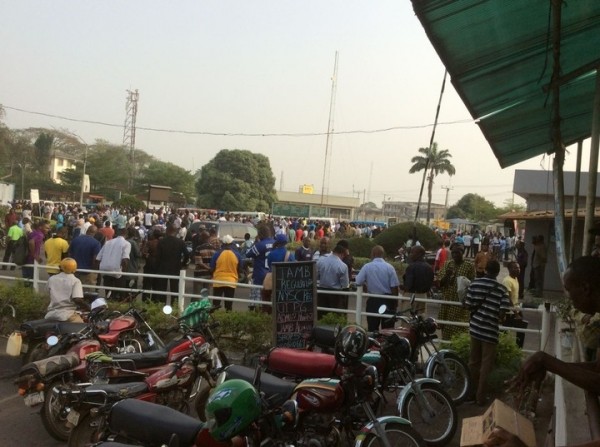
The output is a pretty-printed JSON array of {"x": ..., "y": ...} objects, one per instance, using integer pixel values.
[
  {"x": 499, "y": 56},
  {"x": 545, "y": 214}
]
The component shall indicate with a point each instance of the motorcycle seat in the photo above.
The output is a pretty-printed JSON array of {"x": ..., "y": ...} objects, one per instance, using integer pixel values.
[
  {"x": 276, "y": 390},
  {"x": 41, "y": 328},
  {"x": 152, "y": 424},
  {"x": 324, "y": 336},
  {"x": 119, "y": 390},
  {"x": 143, "y": 360},
  {"x": 301, "y": 364},
  {"x": 51, "y": 365}
]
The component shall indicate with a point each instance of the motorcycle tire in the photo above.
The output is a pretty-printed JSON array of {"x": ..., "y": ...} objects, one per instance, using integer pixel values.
[
  {"x": 55, "y": 422},
  {"x": 201, "y": 400},
  {"x": 88, "y": 431},
  {"x": 457, "y": 380},
  {"x": 398, "y": 435},
  {"x": 37, "y": 351},
  {"x": 438, "y": 428}
]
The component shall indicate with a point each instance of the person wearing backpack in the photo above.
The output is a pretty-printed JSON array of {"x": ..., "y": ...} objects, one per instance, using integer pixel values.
[{"x": 14, "y": 234}]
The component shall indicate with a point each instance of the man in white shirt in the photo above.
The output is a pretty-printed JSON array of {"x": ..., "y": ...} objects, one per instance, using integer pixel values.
[
  {"x": 114, "y": 258},
  {"x": 66, "y": 292}
]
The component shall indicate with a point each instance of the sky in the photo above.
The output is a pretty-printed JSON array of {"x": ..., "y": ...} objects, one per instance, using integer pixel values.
[{"x": 259, "y": 75}]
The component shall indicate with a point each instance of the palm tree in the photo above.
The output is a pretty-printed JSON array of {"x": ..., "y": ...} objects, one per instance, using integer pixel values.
[{"x": 433, "y": 163}]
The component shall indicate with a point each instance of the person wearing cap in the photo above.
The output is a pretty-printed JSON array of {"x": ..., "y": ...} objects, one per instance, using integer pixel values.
[
  {"x": 226, "y": 265},
  {"x": 66, "y": 293}
]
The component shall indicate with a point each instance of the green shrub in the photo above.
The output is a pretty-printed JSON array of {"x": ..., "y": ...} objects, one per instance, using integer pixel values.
[
  {"x": 394, "y": 237},
  {"x": 359, "y": 262},
  {"x": 333, "y": 319},
  {"x": 360, "y": 246},
  {"x": 244, "y": 331},
  {"x": 28, "y": 304},
  {"x": 508, "y": 357}
]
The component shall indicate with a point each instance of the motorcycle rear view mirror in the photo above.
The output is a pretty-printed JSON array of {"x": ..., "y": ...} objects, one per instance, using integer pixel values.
[
  {"x": 382, "y": 309},
  {"x": 167, "y": 310},
  {"x": 52, "y": 340}
]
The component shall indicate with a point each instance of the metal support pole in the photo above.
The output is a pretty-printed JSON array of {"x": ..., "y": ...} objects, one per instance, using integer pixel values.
[
  {"x": 590, "y": 203},
  {"x": 575, "y": 203},
  {"x": 545, "y": 333}
]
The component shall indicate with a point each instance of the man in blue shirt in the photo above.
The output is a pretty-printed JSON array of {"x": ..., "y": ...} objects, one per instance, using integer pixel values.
[
  {"x": 84, "y": 250},
  {"x": 333, "y": 275},
  {"x": 379, "y": 277},
  {"x": 259, "y": 252}
]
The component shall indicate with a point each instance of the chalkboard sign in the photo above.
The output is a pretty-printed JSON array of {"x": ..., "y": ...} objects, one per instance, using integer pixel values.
[{"x": 294, "y": 302}]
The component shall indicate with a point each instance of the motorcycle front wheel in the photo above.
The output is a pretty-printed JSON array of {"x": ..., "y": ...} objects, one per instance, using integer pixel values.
[
  {"x": 454, "y": 375},
  {"x": 398, "y": 436},
  {"x": 54, "y": 417},
  {"x": 434, "y": 417},
  {"x": 88, "y": 431}
]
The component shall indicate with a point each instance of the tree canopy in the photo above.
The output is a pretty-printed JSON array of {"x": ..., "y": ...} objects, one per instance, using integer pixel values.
[
  {"x": 473, "y": 207},
  {"x": 236, "y": 179}
]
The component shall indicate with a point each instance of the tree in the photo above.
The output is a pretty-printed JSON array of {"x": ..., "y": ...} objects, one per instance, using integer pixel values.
[
  {"x": 236, "y": 180},
  {"x": 434, "y": 163},
  {"x": 43, "y": 147},
  {"x": 473, "y": 207}
]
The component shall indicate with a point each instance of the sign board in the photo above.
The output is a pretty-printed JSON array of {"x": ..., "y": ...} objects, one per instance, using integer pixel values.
[
  {"x": 7, "y": 193},
  {"x": 34, "y": 196},
  {"x": 294, "y": 302}
]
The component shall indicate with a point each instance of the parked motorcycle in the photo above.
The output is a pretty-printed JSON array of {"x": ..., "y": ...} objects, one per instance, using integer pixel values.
[
  {"x": 36, "y": 380},
  {"x": 423, "y": 401},
  {"x": 118, "y": 333},
  {"x": 175, "y": 385},
  {"x": 442, "y": 364}
]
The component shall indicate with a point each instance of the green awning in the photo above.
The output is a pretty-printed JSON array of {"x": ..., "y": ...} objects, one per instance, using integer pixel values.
[{"x": 499, "y": 56}]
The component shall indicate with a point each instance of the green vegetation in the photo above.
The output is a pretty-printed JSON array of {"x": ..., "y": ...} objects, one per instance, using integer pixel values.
[
  {"x": 28, "y": 305},
  {"x": 397, "y": 235},
  {"x": 508, "y": 357},
  {"x": 236, "y": 180},
  {"x": 434, "y": 162}
]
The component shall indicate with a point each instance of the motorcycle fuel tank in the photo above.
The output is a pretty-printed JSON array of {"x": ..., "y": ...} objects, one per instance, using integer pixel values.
[
  {"x": 184, "y": 349},
  {"x": 320, "y": 395},
  {"x": 122, "y": 323},
  {"x": 409, "y": 333}
]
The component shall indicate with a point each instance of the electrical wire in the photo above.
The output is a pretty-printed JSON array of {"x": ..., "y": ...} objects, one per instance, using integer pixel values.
[{"x": 238, "y": 134}]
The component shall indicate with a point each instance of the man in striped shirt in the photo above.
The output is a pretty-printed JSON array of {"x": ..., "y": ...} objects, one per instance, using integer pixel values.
[{"x": 488, "y": 301}]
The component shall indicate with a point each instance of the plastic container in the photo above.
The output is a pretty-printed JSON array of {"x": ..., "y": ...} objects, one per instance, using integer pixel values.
[{"x": 13, "y": 346}]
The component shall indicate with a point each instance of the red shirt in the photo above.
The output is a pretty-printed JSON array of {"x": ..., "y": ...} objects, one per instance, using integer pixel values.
[
  {"x": 299, "y": 234},
  {"x": 107, "y": 232}
]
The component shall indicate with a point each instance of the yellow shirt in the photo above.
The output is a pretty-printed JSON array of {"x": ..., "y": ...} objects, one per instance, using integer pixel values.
[
  {"x": 512, "y": 284},
  {"x": 226, "y": 269},
  {"x": 55, "y": 248}
]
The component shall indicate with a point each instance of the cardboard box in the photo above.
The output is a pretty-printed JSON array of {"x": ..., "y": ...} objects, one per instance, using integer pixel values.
[{"x": 476, "y": 430}]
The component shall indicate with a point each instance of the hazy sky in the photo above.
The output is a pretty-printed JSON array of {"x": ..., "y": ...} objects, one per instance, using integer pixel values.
[{"x": 252, "y": 67}]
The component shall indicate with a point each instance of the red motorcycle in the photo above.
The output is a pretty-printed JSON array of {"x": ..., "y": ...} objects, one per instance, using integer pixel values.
[{"x": 85, "y": 362}]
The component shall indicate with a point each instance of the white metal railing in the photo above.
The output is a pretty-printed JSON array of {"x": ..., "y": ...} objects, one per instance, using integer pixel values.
[{"x": 185, "y": 297}]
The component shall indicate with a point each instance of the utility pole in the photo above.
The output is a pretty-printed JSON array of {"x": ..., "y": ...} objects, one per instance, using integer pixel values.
[
  {"x": 447, "y": 188},
  {"x": 330, "y": 129}
]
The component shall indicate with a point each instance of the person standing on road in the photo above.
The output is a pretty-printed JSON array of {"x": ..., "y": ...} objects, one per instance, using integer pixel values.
[
  {"x": 35, "y": 240},
  {"x": 454, "y": 268},
  {"x": 259, "y": 252},
  {"x": 226, "y": 265},
  {"x": 172, "y": 257},
  {"x": 14, "y": 234},
  {"x": 380, "y": 278},
  {"x": 84, "y": 250},
  {"x": 487, "y": 301},
  {"x": 418, "y": 277},
  {"x": 113, "y": 259},
  {"x": 333, "y": 275},
  {"x": 56, "y": 248}
]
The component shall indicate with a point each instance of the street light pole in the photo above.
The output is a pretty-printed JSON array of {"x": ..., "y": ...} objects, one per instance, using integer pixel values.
[{"x": 83, "y": 175}]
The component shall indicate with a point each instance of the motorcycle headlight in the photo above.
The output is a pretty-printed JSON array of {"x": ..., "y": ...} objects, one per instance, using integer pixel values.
[{"x": 430, "y": 326}]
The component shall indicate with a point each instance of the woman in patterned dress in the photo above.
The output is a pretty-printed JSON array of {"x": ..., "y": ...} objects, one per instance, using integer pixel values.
[{"x": 457, "y": 266}]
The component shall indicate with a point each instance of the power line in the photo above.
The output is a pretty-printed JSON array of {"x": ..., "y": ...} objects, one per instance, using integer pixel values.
[{"x": 237, "y": 134}]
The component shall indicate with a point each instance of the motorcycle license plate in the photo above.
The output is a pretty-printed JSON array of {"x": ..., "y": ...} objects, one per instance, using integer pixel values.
[
  {"x": 34, "y": 399},
  {"x": 24, "y": 348},
  {"x": 73, "y": 417}
]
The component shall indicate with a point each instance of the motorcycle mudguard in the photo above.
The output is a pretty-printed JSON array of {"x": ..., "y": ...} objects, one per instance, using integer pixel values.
[
  {"x": 409, "y": 389},
  {"x": 370, "y": 427},
  {"x": 428, "y": 370},
  {"x": 51, "y": 366}
]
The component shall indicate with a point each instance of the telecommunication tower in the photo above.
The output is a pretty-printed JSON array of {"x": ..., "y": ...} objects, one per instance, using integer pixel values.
[{"x": 131, "y": 106}]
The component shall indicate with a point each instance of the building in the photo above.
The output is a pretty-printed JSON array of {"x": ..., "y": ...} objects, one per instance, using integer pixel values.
[
  {"x": 60, "y": 162},
  {"x": 299, "y": 204},
  {"x": 405, "y": 211},
  {"x": 537, "y": 188}
]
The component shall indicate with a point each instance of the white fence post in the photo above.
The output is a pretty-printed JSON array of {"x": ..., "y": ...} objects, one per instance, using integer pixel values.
[
  {"x": 359, "y": 298},
  {"x": 180, "y": 300},
  {"x": 545, "y": 325},
  {"x": 36, "y": 276}
]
